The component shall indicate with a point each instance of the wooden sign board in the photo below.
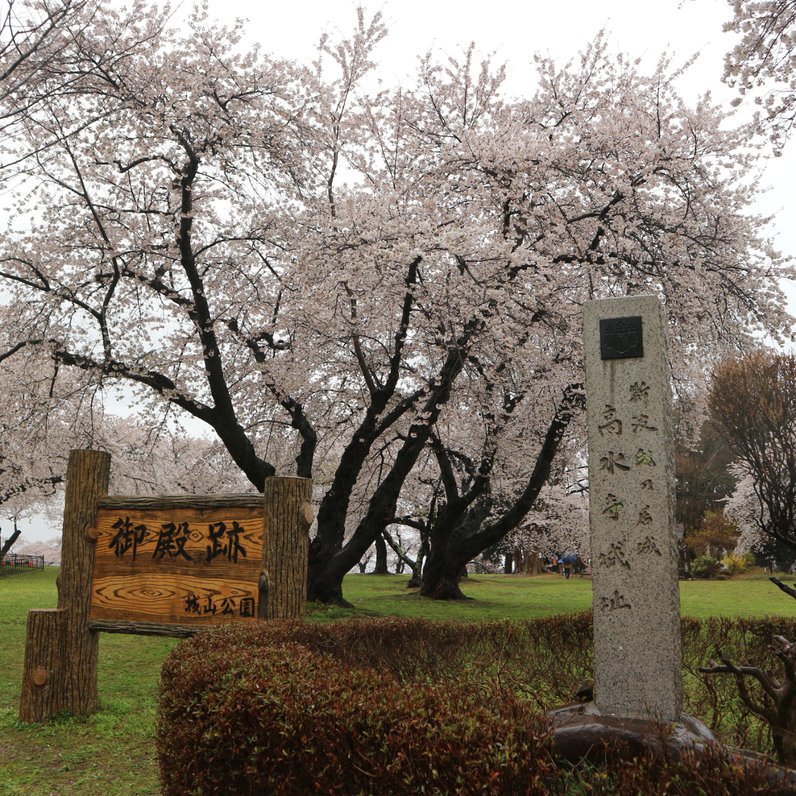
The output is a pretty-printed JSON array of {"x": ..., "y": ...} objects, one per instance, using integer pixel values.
[{"x": 178, "y": 560}]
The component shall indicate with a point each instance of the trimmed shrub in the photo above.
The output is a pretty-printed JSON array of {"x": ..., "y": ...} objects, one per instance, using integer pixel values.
[
  {"x": 711, "y": 773},
  {"x": 243, "y": 714},
  {"x": 405, "y": 706}
]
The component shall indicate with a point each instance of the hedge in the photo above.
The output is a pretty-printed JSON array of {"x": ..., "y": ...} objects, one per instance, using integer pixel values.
[
  {"x": 241, "y": 714},
  {"x": 406, "y": 706}
]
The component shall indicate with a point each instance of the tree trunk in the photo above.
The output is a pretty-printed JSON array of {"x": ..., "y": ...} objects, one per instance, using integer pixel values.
[
  {"x": 531, "y": 564},
  {"x": 9, "y": 543},
  {"x": 87, "y": 478},
  {"x": 508, "y": 564},
  {"x": 325, "y": 573},
  {"x": 334, "y": 506},
  {"x": 784, "y": 738},
  {"x": 462, "y": 531},
  {"x": 441, "y": 578},
  {"x": 326, "y": 586},
  {"x": 381, "y": 557},
  {"x": 333, "y": 510},
  {"x": 416, "y": 581}
]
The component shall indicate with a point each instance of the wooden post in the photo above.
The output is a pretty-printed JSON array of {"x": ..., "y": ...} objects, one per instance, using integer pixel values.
[
  {"x": 42, "y": 694},
  {"x": 288, "y": 515},
  {"x": 87, "y": 477}
]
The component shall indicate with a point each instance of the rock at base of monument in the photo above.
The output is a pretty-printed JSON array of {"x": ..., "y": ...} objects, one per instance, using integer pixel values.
[{"x": 582, "y": 734}]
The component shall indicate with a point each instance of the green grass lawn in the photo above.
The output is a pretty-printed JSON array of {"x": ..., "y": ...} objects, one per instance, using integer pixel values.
[
  {"x": 519, "y": 597},
  {"x": 112, "y": 752}
]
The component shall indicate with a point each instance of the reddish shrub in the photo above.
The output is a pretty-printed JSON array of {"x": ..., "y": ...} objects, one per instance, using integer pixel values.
[
  {"x": 241, "y": 714},
  {"x": 405, "y": 706},
  {"x": 710, "y": 773}
]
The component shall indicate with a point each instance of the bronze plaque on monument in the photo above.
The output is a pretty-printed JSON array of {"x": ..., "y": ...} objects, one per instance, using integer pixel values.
[{"x": 621, "y": 338}]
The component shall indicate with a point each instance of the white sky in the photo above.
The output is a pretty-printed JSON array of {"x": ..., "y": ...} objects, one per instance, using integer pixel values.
[{"x": 513, "y": 31}]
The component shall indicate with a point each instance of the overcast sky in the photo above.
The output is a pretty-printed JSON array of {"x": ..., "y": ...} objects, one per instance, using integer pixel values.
[{"x": 514, "y": 30}]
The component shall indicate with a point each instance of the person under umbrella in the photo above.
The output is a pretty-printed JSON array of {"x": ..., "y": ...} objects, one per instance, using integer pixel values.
[{"x": 569, "y": 559}]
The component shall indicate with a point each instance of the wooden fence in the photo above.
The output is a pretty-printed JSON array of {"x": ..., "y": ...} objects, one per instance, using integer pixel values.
[{"x": 14, "y": 563}]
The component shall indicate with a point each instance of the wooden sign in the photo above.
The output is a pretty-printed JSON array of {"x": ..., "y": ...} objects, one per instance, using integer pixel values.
[
  {"x": 192, "y": 561},
  {"x": 166, "y": 566}
]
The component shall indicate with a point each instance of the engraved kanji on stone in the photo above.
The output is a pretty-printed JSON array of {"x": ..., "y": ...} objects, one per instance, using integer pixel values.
[
  {"x": 639, "y": 391},
  {"x": 615, "y": 555},
  {"x": 614, "y": 602},
  {"x": 645, "y": 458},
  {"x": 648, "y": 545},
  {"x": 613, "y": 462},
  {"x": 612, "y": 425},
  {"x": 612, "y": 507},
  {"x": 632, "y": 507},
  {"x": 642, "y": 423}
]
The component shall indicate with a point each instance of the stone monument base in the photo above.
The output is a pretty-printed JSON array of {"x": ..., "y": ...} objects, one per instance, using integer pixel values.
[{"x": 581, "y": 732}]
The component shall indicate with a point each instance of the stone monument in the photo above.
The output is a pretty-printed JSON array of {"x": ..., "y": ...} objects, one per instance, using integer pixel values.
[{"x": 636, "y": 600}]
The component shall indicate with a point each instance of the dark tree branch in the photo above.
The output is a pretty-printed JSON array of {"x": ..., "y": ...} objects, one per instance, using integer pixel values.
[{"x": 784, "y": 587}]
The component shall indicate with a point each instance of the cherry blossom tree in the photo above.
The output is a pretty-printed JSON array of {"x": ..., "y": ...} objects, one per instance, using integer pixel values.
[
  {"x": 38, "y": 418},
  {"x": 371, "y": 286},
  {"x": 32, "y": 38},
  {"x": 535, "y": 214},
  {"x": 557, "y": 523},
  {"x": 582, "y": 226},
  {"x": 48, "y": 411},
  {"x": 49, "y": 56},
  {"x": 744, "y": 510},
  {"x": 763, "y": 63}
]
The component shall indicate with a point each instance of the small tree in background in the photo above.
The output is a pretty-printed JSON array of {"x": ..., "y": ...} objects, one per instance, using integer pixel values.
[
  {"x": 745, "y": 511},
  {"x": 753, "y": 400},
  {"x": 704, "y": 478},
  {"x": 717, "y": 536}
]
